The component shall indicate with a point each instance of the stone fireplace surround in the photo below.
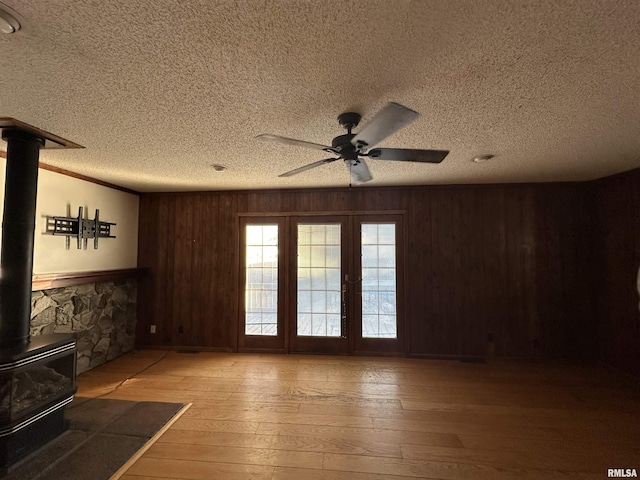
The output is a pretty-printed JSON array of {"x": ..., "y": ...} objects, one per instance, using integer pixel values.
[{"x": 102, "y": 315}]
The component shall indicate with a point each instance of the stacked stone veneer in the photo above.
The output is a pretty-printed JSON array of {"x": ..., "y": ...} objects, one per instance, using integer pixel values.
[{"x": 103, "y": 315}]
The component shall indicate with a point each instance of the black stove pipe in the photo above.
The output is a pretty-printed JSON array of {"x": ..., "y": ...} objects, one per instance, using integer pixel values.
[{"x": 18, "y": 225}]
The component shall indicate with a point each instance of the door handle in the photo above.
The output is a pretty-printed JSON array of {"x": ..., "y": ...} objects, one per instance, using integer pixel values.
[{"x": 343, "y": 323}]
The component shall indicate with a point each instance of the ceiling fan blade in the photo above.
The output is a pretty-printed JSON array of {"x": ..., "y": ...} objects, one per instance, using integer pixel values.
[
  {"x": 292, "y": 141},
  {"x": 387, "y": 121},
  {"x": 308, "y": 167},
  {"x": 408, "y": 155},
  {"x": 358, "y": 170}
]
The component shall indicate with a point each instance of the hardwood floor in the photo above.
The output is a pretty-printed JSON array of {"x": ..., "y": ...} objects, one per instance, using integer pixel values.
[{"x": 300, "y": 417}]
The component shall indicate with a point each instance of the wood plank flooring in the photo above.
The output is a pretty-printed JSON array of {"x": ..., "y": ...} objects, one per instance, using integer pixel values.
[{"x": 295, "y": 417}]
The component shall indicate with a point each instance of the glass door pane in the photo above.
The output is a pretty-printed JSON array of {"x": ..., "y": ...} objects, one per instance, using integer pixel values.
[
  {"x": 261, "y": 280},
  {"x": 318, "y": 280},
  {"x": 379, "y": 291},
  {"x": 377, "y": 299},
  {"x": 262, "y": 303}
]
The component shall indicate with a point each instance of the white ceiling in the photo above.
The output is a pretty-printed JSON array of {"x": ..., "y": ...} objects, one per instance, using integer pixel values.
[{"x": 159, "y": 90}]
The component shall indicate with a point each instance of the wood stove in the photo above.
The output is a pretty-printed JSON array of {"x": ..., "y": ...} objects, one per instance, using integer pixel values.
[
  {"x": 36, "y": 382},
  {"x": 37, "y": 375}
]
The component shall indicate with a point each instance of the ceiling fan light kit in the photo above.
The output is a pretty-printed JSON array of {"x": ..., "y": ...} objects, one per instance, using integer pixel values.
[{"x": 351, "y": 148}]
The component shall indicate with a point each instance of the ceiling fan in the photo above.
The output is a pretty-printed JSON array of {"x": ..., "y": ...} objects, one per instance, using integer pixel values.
[{"x": 352, "y": 147}]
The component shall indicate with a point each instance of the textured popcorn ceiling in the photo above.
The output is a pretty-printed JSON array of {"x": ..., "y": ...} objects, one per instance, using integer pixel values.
[{"x": 158, "y": 90}]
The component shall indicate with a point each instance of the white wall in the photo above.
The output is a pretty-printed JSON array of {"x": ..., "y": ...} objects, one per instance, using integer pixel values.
[{"x": 56, "y": 194}]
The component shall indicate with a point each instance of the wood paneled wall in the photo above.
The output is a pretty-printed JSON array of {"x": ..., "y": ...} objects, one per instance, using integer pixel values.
[
  {"x": 616, "y": 201},
  {"x": 495, "y": 268}
]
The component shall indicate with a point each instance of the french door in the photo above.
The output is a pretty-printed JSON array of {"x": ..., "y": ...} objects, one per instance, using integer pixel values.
[
  {"x": 322, "y": 284},
  {"x": 317, "y": 294}
]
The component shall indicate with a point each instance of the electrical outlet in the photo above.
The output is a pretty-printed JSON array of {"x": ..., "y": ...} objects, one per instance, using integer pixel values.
[{"x": 153, "y": 329}]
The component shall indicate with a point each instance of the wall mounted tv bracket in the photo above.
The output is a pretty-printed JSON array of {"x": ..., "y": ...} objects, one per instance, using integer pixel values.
[{"x": 80, "y": 228}]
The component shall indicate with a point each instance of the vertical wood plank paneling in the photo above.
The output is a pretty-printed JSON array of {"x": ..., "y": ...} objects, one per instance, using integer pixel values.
[
  {"x": 228, "y": 264},
  {"x": 577, "y": 283},
  {"x": 511, "y": 213},
  {"x": 181, "y": 281},
  {"x": 617, "y": 203},
  {"x": 565, "y": 303},
  {"x": 471, "y": 267},
  {"x": 340, "y": 202},
  {"x": 529, "y": 286},
  {"x": 493, "y": 292},
  {"x": 166, "y": 285},
  {"x": 158, "y": 231},
  {"x": 198, "y": 318},
  {"x": 213, "y": 276},
  {"x": 159, "y": 269},
  {"x": 504, "y": 285},
  {"x": 211, "y": 217},
  {"x": 453, "y": 255},
  {"x": 549, "y": 271},
  {"x": 514, "y": 329},
  {"x": 443, "y": 259},
  {"x": 419, "y": 301},
  {"x": 480, "y": 260},
  {"x": 145, "y": 260}
]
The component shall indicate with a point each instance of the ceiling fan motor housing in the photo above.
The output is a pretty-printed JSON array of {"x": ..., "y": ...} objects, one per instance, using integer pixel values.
[{"x": 344, "y": 147}]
